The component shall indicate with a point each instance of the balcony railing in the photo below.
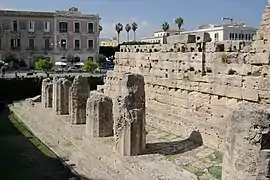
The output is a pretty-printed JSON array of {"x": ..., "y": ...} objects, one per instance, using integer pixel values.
[{"x": 63, "y": 30}]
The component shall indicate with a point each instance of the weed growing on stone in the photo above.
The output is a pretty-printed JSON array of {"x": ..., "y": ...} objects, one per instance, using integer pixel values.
[{"x": 215, "y": 171}]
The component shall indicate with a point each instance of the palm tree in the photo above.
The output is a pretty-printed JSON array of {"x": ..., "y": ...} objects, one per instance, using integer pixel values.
[
  {"x": 134, "y": 27},
  {"x": 128, "y": 28},
  {"x": 118, "y": 28},
  {"x": 165, "y": 26},
  {"x": 179, "y": 21}
]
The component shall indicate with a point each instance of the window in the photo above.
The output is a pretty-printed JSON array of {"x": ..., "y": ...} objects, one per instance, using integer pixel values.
[
  {"x": 216, "y": 36},
  {"x": 232, "y": 36},
  {"x": 77, "y": 44},
  {"x": 47, "y": 43},
  {"x": 236, "y": 36},
  {"x": 63, "y": 27},
  {"x": 15, "y": 25},
  {"x": 77, "y": 27},
  {"x": 0, "y": 43},
  {"x": 90, "y": 58},
  {"x": 14, "y": 43},
  {"x": 90, "y": 27},
  {"x": 31, "y": 26},
  {"x": 63, "y": 44},
  {"x": 246, "y": 37},
  {"x": 23, "y": 25},
  {"x": 90, "y": 44},
  {"x": 249, "y": 37},
  {"x": 46, "y": 26},
  {"x": 31, "y": 43}
]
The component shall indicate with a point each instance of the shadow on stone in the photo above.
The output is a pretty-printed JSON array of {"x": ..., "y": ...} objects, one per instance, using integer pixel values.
[
  {"x": 175, "y": 147},
  {"x": 23, "y": 156}
]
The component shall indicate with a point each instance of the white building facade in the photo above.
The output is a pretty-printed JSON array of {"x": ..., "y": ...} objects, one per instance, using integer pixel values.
[
  {"x": 222, "y": 32},
  {"x": 158, "y": 36},
  {"x": 225, "y": 32}
]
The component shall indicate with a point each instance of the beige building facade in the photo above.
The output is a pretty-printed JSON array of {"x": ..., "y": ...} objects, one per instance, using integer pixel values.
[
  {"x": 107, "y": 42},
  {"x": 28, "y": 35}
]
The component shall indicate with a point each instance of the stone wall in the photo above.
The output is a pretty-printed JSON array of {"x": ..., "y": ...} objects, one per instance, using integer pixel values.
[{"x": 194, "y": 89}]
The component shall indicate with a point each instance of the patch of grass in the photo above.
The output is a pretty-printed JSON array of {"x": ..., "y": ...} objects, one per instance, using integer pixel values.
[
  {"x": 172, "y": 157},
  {"x": 216, "y": 157},
  {"x": 215, "y": 171},
  {"x": 186, "y": 78},
  {"x": 224, "y": 58},
  {"x": 197, "y": 171}
]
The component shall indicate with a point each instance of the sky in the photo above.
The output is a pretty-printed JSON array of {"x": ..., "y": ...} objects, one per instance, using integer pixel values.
[{"x": 150, "y": 14}]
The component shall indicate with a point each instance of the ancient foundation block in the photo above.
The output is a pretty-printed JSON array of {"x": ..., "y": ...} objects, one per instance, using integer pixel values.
[
  {"x": 99, "y": 117},
  {"x": 62, "y": 96},
  {"x": 129, "y": 116},
  {"x": 43, "y": 92},
  {"x": 48, "y": 95},
  {"x": 78, "y": 94},
  {"x": 247, "y": 146}
]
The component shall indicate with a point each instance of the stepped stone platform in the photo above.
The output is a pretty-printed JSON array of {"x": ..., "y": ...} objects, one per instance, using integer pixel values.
[{"x": 167, "y": 156}]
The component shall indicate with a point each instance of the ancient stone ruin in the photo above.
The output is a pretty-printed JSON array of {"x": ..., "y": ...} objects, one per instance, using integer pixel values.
[
  {"x": 47, "y": 93},
  {"x": 62, "y": 93},
  {"x": 130, "y": 116},
  {"x": 78, "y": 94},
  {"x": 99, "y": 115},
  {"x": 212, "y": 95}
]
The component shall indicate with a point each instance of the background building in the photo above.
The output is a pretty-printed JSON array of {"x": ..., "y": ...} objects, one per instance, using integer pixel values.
[
  {"x": 223, "y": 32},
  {"x": 28, "y": 35},
  {"x": 158, "y": 36},
  {"x": 108, "y": 42}
]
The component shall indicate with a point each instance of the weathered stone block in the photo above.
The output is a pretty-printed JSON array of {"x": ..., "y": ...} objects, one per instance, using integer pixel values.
[
  {"x": 247, "y": 149},
  {"x": 48, "y": 95},
  {"x": 78, "y": 94},
  {"x": 62, "y": 97},
  {"x": 130, "y": 116},
  {"x": 43, "y": 92},
  {"x": 99, "y": 117}
]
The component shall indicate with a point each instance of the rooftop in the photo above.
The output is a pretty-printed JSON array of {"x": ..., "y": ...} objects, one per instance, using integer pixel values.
[{"x": 170, "y": 30}]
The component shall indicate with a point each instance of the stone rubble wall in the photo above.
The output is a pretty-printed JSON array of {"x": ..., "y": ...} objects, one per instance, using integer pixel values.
[{"x": 187, "y": 91}]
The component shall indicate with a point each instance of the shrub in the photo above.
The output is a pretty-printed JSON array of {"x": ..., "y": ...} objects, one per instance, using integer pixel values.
[
  {"x": 43, "y": 64},
  {"x": 90, "y": 66},
  {"x": 224, "y": 58}
]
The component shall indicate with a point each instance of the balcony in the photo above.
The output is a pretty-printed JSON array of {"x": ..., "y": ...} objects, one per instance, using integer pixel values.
[
  {"x": 15, "y": 48},
  {"x": 63, "y": 30}
]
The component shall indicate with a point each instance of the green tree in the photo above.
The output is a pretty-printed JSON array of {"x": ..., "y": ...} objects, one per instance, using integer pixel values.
[
  {"x": 100, "y": 59},
  {"x": 128, "y": 28},
  {"x": 90, "y": 66},
  {"x": 134, "y": 27},
  {"x": 165, "y": 26},
  {"x": 118, "y": 28},
  {"x": 9, "y": 58},
  {"x": 43, "y": 64},
  {"x": 179, "y": 22}
]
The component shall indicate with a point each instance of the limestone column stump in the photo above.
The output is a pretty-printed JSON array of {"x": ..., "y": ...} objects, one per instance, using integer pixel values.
[
  {"x": 247, "y": 145},
  {"x": 43, "y": 91},
  {"x": 129, "y": 116},
  {"x": 48, "y": 95},
  {"x": 99, "y": 117},
  {"x": 62, "y": 96},
  {"x": 78, "y": 93}
]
